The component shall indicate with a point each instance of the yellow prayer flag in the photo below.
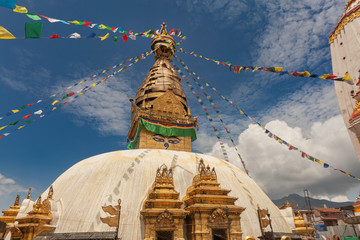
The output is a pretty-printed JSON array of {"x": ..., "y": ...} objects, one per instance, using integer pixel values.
[
  {"x": 75, "y": 22},
  {"x": 56, "y": 101},
  {"x": 20, "y": 9},
  {"x": 53, "y": 109},
  {"x": 5, "y": 34},
  {"x": 15, "y": 111},
  {"x": 208, "y": 117},
  {"x": 81, "y": 82},
  {"x": 324, "y": 76},
  {"x": 208, "y": 97},
  {"x": 94, "y": 84},
  {"x": 199, "y": 100},
  {"x": 181, "y": 49},
  {"x": 1, "y": 128},
  {"x": 104, "y": 71},
  {"x": 53, "y": 95},
  {"x": 306, "y": 74},
  {"x": 192, "y": 52},
  {"x": 136, "y": 60},
  {"x": 278, "y": 69},
  {"x": 81, "y": 93},
  {"x": 255, "y": 68},
  {"x": 216, "y": 133},
  {"x": 21, "y": 127},
  {"x": 241, "y": 112},
  {"x": 206, "y": 84},
  {"x": 104, "y": 37},
  {"x": 347, "y": 77}
]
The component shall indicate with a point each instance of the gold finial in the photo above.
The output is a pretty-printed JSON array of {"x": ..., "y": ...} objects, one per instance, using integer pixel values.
[
  {"x": 29, "y": 194},
  {"x": 51, "y": 192},
  {"x": 163, "y": 29},
  {"x": 17, "y": 200}
]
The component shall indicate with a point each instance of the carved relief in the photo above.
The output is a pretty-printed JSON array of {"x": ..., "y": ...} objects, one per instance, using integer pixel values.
[
  {"x": 114, "y": 218},
  {"x": 218, "y": 216},
  {"x": 165, "y": 219}
]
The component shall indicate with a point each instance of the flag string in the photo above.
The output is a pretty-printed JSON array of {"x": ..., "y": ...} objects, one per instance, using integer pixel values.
[
  {"x": 23, "y": 107},
  {"x": 270, "y": 134},
  {"x": 215, "y": 108},
  {"x": 57, "y": 104},
  {"x": 279, "y": 70},
  {"x": 208, "y": 116}
]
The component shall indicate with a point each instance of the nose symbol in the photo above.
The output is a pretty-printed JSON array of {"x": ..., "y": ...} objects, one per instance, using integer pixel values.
[{"x": 166, "y": 145}]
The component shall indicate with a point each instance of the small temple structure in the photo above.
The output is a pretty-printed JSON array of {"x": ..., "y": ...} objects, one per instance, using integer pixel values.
[{"x": 158, "y": 189}]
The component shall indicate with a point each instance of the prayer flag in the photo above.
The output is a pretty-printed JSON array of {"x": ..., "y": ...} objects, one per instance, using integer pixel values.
[
  {"x": 104, "y": 37},
  {"x": 75, "y": 35},
  {"x": 54, "y": 36},
  {"x": 53, "y": 20},
  {"x": 303, "y": 154},
  {"x": 27, "y": 116},
  {"x": 132, "y": 37},
  {"x": 14, "y": 123},
  {"x": 1, "y": 128},
  {"x": 86, "y": 23},
  {"x": 33, "y": 30},
  {"x": 8, "y": 3},
  {"x": 5, "y": 34},
  {"x": 15, "y": 111},
  {"x": 56, "y": 101},
  {"x": 125, "y": 37},
  {"x": 38, "y": 112},
  {"x": 326, "y": 165},
  {"x": 20, "y": 9},
  {"x": 33, "y": 16},
  {"x": 346, "y": 77}
]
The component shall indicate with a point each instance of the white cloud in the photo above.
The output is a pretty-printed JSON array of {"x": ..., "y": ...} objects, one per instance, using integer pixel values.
[
  {"x": 340, "y": 198},
  {"x": 106, "y": 107},
  {"x": 280, "y": 171},
  {"x": 297, "y": 33}
]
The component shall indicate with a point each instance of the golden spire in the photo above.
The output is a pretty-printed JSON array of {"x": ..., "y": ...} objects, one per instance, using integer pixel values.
[
  {"x": 51, "y": 192},
  {"x": 17, "y": 200},
  {"x": 29, "y": 194},
  {"x": 163, "y": 29}
]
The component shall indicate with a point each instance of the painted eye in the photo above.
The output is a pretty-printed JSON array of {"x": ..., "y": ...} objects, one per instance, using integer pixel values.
[
  {"x": 173, "y": 141},
  {"x": 157, "y": 139}
]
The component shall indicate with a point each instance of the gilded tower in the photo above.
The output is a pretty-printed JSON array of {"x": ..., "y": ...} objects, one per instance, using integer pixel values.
[{"x": 160, "y": 116}]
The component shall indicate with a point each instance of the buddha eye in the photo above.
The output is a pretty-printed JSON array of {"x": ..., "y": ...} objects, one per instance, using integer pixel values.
[
  {"x": 158, "y": 139},
  {"x": 173, "y": 141}
]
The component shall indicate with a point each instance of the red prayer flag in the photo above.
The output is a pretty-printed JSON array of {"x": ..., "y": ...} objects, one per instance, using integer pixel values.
[
  {"x": 70, "y": 94},
  {"x": 42, "y": 16},
  {"x": 171, "y": 31},
  {"x": 125, "y": 37},
  {"x": 27, "y": 116},
  {"x": 54, "y": 36},
  {"x": 29, "y": 105},
  {"x": 291, "y": 147},
  {"x": 295, "y": 74},
  {"x": 331, "y": 76},
  {"x": 65, "y": 103},
  {"x": 303, "y": 154},
  {"x": 86, "y": 23},
  {"x": 130, "y": 32}
]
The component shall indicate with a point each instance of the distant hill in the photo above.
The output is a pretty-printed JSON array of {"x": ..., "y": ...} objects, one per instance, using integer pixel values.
[{"x": 315, "y": 203}]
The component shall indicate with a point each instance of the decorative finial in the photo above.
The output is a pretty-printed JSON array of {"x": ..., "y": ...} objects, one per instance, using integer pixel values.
[
  {"x": 51, "y": 192},
  {"x": 17, "y": 200},
  {"x": 29, "y": 194},
  {"x": 163, "y": 29}
]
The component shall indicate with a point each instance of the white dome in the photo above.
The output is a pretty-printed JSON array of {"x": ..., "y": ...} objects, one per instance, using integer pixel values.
[{"x": 82, "y": 190}]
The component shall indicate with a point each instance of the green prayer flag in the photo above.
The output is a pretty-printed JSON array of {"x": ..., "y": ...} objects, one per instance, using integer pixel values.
[
  {"x": 28, "y": 121},
  {"x": 14, "y": 123},
  {"x": 23, "y": 107},
  {"x": 115, "y": 39},
  {"x": 33, "y": 16},
  {"x": 33, "y": 30}
]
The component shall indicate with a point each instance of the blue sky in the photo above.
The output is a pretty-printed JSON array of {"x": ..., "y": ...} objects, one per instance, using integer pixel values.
[{"x": 289, "y": 34}]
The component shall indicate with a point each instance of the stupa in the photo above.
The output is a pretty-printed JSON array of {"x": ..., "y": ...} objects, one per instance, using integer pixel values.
[{"x": 158, "y": 189}]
